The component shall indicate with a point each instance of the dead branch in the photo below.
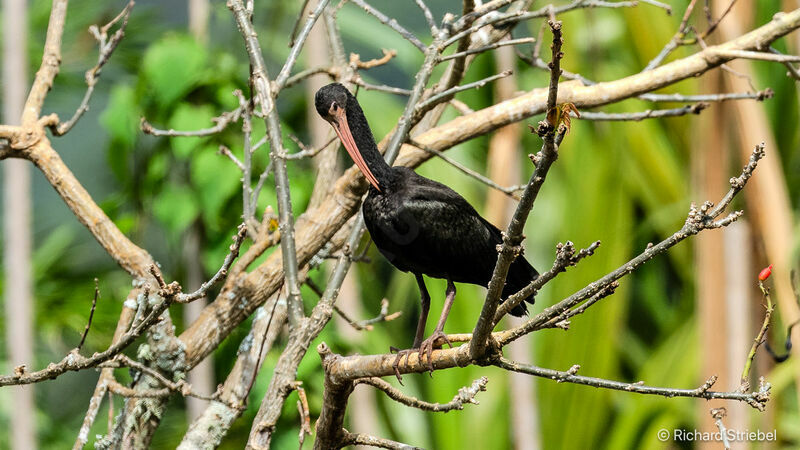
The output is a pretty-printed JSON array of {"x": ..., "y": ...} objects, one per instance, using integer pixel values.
[
  {"x": 465, "y": 395},
  {"x": 91, "y": 315},
  {"x": 107, "y": 47}
]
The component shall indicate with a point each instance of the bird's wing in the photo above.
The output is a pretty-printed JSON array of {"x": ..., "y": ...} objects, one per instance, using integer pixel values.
[{"x": 450, "y": 232}]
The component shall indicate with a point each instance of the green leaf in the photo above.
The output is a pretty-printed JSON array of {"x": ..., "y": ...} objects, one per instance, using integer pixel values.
[
  {"x": 172, "y": 67},
  {"x": 176, "y": 207},
  {"x": 121, "y": 119},
  {"x": 217, "y": 180},
  {"x": 189, "y": 117}
]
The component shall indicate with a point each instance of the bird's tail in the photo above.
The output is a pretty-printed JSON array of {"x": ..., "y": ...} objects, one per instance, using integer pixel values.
[{"x": 520, "y": 274}]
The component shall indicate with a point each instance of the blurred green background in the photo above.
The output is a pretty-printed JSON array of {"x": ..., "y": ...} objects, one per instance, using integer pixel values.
[{"x": 625, "y": 184}]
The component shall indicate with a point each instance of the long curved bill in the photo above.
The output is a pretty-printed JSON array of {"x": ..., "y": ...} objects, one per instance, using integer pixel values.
[{"x": 343, "y": 131}]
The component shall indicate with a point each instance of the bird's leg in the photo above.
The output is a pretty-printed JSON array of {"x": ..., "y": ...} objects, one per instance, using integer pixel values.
[
  {"x": 426, "y": 347},
  {"x": 425, "y": 302}
]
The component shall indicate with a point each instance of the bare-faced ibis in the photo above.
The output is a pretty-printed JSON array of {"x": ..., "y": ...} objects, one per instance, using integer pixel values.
[{"x": 419, "y": 225}]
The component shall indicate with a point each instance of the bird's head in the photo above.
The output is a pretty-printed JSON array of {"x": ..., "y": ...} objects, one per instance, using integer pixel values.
[{"x": 332, "y": 103}]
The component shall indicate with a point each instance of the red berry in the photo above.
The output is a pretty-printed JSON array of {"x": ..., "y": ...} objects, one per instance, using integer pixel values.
[{"x": 764, "y": 274}]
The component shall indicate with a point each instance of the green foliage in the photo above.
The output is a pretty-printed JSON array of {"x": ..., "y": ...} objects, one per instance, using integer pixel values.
[
  {"x": 172, "y": 67},
  {"x": 176, "y": 207},
  {"x": 216, "y": 182}
]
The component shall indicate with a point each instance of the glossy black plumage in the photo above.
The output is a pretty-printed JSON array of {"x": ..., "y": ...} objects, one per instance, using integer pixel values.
[
  {"x": 419, "y": 225},
  {"x": 422, "y": 226}
]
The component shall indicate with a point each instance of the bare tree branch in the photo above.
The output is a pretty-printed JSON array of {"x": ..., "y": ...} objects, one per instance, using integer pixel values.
[
  {"x": 107, "y": 47},
  {"x": 391, "y": 23},
  {"x": 465, "y": 395},
  {"x": 757, "y": 399},
  {"x": 51, "y": 63},
  {"x": 512, "y": 238},
  {"x": 372, "y": 441},
  {"x": 649, "y": 114},
  {"x": 91, "y": 315},
  {"x": 222, "y": 122}
]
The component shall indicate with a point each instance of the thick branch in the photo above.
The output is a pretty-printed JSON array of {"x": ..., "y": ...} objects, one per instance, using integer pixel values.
[
  {"x": 130, "y": 257},
  {"x": 51, "y": 61}
]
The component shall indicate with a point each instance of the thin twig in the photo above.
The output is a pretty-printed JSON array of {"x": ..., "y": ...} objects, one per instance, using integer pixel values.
[
  {"x": 756, "y": 399},
  {"x": 472, "y": 51},
  {"x": 248, "y": 208},
  {"x": 565, "y": 257},
  {"x": 306, "y": 152},
  {"x": 305, "y": 415},
  {"x": 465, "y": 395},
  {"x": 358, "y": 81},
  {"x": 91, "y": 413},
  {"x": 562, "y": 320},
  {"x": 360, "y": 325},
  {"x": 759, "y": 339},
  {"x": 91, "y": 315},
  {"x": 760, "y": 96},
  {"x": 429, "y": 103},
  {"x": 260, "y": 183},
  {"x": 74, "y": 361},
  {"x": 664, "y": 6},
  {"x": 373, "y": 441},
  {"x": 511, "y": 191},
  {"x": 510, "y": 18},
  {"x": 760, "y": 56},
  {"x": 223, "y": 150},
  {"x": 233, "y": 253},
  {"x": 428, "y": 17},
  {"x": 297, "y": 45},
  {"x": 649, "y": 114},
  {"x": 302, "y": 75},
  {"x": 673, "y": 43},
  {"x": 713, "y": 25},
  {"x": 718, "y": 414},
  {"x": 792, "y": 70},
  {"x": 107, "y": 47},
  {"x": 297, "y": 23},
  {"x": 391, "y": 23},
  {"x": 51, "y": 63},
  {"x": 222, "y": 121}
]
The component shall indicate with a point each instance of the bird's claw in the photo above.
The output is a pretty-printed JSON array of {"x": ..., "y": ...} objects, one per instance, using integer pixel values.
[
  {"x": 398, "y": 358},
  {"x": 436, "y": 340}
]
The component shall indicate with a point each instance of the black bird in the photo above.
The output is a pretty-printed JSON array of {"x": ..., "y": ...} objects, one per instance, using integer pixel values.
[{"x": 419, "y": 225}]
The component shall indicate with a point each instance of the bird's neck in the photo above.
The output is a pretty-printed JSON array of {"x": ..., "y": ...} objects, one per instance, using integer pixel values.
[{"x": 362, "y": 135}]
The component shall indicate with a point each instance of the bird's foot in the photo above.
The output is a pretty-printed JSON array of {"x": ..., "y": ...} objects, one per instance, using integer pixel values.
[
  {"x": 436, "y": 340},
  {"x": 399, "y": 358}
]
